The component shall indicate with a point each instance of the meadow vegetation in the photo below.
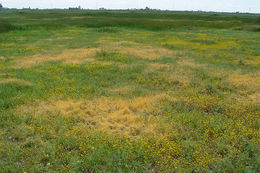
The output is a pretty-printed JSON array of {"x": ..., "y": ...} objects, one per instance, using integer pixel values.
[{"x": 129, "y": 91}]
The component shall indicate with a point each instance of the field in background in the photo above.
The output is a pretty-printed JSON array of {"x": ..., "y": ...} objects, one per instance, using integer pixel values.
[{"x": 129, "y": 91}]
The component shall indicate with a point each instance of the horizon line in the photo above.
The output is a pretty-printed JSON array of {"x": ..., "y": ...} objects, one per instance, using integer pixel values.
[{"x": 129, "y": 9}]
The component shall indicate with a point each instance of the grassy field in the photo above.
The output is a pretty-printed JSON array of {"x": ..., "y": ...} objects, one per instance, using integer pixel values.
[{"x": 129, "y": 91}]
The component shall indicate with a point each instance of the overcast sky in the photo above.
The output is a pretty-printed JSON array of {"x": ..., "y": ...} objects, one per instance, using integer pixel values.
[{"x": 205, "y": 5}]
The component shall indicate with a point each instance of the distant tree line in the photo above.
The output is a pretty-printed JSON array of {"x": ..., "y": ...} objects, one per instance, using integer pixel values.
[{"x": 75, "y": 8}]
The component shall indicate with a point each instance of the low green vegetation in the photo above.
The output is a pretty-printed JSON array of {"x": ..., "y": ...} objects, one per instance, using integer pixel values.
[{"x": 129, "y": 91}]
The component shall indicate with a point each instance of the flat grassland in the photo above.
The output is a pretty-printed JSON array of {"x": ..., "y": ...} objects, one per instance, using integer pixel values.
[{"x": 129, "y": 91}]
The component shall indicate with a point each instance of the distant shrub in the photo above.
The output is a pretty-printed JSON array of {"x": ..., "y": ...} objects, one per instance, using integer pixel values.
[
  {"x": 154, "y": 80},
  {"x": 108, "y": 30},
  {"x": 203, "y": 41},
  {"x": 113, "y": 56},
  {"x": 254, "y": 28},
  {"x": 241, "y": 61},
  {"x": 5, "y": 26},
  {"x": 102, "y": 53},
  {"x": 210, "y": 89}
]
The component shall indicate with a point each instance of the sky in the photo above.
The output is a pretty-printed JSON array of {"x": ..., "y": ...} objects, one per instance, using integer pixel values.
[{"x": 204, "y": 5}]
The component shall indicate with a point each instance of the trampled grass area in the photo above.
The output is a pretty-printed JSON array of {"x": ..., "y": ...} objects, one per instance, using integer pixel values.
[{"x": 129, "y": 91}]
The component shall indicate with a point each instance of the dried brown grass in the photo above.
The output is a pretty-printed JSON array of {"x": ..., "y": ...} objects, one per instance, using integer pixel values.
[
  {"x": 83, "y": 55},
  {"x": 69, "y": 56},
  {"x": 59, "y": 38},
  {"x": 254, "y": 97},
  {"x": 189, "y": 62},
  {"x": 153, "y": 67},
  {"x": 138, "y": 50},
  {"x": 246, "y": 80},
  {"x": 15, "y": 80},
  {"x": 112, "y": 115},
  {"x": 147, "y": 52}
]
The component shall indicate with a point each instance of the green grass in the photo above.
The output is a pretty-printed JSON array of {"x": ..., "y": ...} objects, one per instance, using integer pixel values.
[{"x": 129, "y": 91}]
